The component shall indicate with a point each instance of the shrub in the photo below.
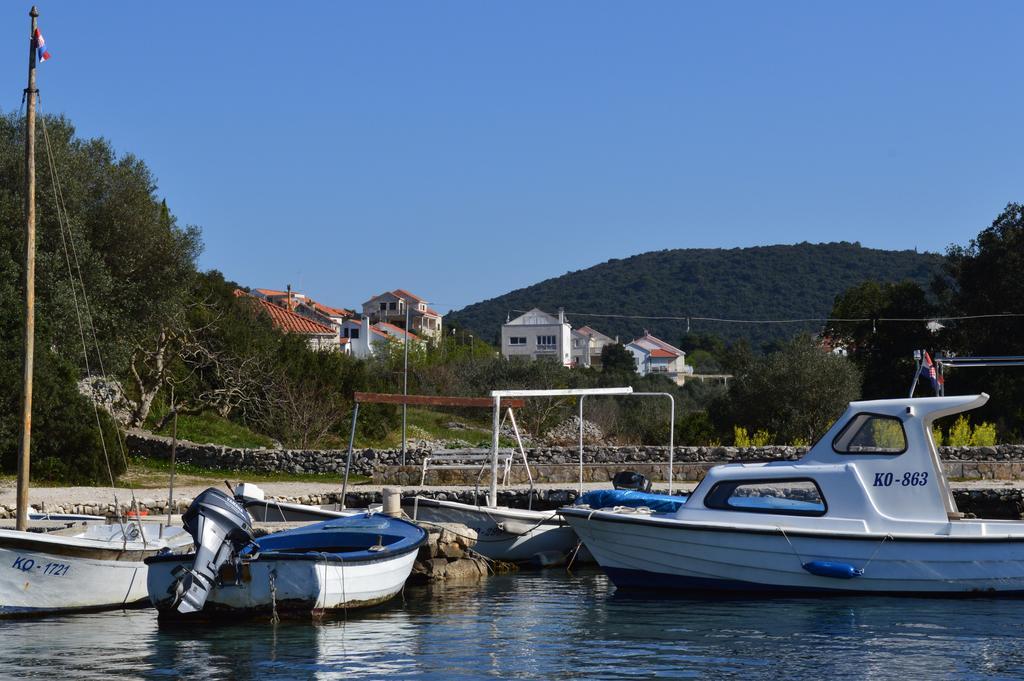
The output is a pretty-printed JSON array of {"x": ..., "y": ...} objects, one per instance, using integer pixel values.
[
  {"x": 959, "y": 433},
  {"x": 984, "y": 435}
]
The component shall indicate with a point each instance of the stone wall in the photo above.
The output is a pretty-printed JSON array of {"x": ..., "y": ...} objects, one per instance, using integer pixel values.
[{"x": 550, "y": 464}]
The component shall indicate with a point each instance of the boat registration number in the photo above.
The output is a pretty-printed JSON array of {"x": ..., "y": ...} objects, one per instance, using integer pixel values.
[
  {"x": 30, "y": 565},
  {"x": 909, "y": 479}
]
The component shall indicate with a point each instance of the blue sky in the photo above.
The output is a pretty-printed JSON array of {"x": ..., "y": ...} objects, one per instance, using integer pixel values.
[{"x": 464, "y": 149}]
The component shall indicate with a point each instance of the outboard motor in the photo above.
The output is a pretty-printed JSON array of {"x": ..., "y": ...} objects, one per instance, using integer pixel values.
[
  {"x": 631, "y": 480},
  {"x": 220, "y": 528}
]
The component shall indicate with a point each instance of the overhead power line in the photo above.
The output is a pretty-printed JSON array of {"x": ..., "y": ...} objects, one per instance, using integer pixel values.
[{"x": 802, "y": 320}]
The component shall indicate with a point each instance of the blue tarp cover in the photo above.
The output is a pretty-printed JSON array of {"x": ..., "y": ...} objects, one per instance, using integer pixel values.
[{"x": 606, "y": 498}]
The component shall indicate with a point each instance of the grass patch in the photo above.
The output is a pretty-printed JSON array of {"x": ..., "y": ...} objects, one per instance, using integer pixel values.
[
  {"x": 209, "y": 428},
  {"x": 433, "y": 425}
]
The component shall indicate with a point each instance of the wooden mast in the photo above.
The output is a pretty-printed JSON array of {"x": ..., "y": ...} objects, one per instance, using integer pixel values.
[{"x": 24, "y": 446}]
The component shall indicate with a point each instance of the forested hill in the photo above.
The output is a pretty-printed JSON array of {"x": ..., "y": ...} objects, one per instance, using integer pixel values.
[{"x": 763, "y": 282}]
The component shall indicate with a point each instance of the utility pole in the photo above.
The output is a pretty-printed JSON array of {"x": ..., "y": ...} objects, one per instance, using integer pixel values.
[
  {"x": 405, "y": 382},
  {"x": 24, "y": 447}
]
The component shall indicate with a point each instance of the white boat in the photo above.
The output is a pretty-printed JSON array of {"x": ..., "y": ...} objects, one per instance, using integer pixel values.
[
  {"x": 100, "y": 567},
  {"x": 866, "y": 510},
  {"x": 334, "y": 565}
]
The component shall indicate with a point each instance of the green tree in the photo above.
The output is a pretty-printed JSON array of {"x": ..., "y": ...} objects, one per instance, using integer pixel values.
[
  {"x": 795, "y": 393},
  {"x": 135, "y": 263},
  {"x": 984, "y": 278},
  {"x": 615, "y": 358},
  {"x": 883, "y": 350}
]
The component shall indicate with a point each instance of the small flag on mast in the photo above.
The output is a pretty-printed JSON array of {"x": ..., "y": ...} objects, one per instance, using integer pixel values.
[
  {"x": 928, "y": 371},
  {"x": 40, "y": 44}
]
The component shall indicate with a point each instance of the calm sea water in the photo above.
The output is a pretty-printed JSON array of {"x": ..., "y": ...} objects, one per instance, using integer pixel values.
[{"x": 545, "y": 626}]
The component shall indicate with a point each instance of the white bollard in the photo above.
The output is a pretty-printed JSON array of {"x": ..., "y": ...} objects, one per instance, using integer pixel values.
[{"x": 393, "y": 501}]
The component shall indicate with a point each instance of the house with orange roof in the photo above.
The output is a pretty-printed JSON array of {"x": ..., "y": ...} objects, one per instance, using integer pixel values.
[
  {"x": 301, "y": 304},
  {"x": 655, "y": 356},
  {"x": 319, "y": 336},
  {"x": 392, "y": 306}
]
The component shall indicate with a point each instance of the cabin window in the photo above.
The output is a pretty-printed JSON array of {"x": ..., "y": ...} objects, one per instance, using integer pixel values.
[
  {"x": 871, "y": 434},
  {"x": 780, "y": 497},
  {"x": 517, "y": 340}
]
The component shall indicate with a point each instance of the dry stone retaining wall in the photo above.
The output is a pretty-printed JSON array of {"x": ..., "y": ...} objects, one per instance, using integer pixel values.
[{"x": 553, "y": 464}]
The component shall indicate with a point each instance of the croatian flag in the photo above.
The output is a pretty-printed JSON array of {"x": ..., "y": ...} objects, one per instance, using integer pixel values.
[
  {"x": 41, "y": 53},
  {"x": 928, "y": 371}
]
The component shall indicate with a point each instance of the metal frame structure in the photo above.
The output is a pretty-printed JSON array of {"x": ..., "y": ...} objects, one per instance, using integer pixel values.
[
  {"x": 582, "y": 393},
  {"x": 405, "y": 400},
  {"x": 960, "y": 362}
]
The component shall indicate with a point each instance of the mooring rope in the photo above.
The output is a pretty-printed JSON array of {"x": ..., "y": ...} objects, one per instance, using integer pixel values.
[
  {"x": 877, "y": 549},
  {"x": 274, "y": 619}
]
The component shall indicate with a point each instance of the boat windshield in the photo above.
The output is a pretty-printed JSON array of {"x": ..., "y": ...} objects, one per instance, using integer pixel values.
[{"x": 871, "y": 434}]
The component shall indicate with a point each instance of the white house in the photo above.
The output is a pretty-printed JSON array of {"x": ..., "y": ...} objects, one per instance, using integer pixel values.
[
  {"x": 655, "y": 356},
  {"x": 538, "y": 335},
  {"x": 587, "y": 345},
  {"x": 362, "y": 339},
  {"x": 391, "y": 307}
]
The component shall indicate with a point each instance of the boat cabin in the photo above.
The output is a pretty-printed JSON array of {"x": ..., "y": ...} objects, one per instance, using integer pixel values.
[{"x": 876, "y": 470}]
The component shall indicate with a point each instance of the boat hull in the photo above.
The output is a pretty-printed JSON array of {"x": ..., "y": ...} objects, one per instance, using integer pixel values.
[
  {"x": 297, "y": 586},
  {"x": 42, "y": 574},
  {"x": 645, "y": 553},
  {"x": 513, "y": 535}
]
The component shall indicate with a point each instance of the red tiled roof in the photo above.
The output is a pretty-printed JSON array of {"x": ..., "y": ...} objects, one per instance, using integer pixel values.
[
  {"x": 290, "y": 322},
  {"x": 658, "y": 352},
  {"x": 270, "y": 292},
  {"x": 330, "y": 311},
  {"x": 434, "y": 312},
  {"x": 402, "y": 293},
  {"x": 344, "y": 341},
  {"x": 662, "y": 344}
]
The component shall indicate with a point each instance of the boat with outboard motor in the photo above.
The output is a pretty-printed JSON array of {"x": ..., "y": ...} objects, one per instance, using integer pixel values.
[
  {"x": 331, "y": 566},
  {"x": 866, "y": 510}
]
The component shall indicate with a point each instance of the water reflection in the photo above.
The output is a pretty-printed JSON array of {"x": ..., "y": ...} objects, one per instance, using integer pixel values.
[{"x": 545, "y": 626}]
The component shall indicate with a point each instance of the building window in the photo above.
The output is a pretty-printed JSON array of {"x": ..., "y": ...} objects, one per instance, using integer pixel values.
[
  {"x": 352, "y": 333},
  {"x": 546, "y": 342},
  {"x": 392, "y": 306},
  {"x": 517, "y": 340},
  {"x": 782, "y": 497},
  {"x": 383, "y": 307}
]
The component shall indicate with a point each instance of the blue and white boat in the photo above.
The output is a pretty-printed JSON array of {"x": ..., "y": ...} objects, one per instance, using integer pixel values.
[
  {"x": 866, "y": 510},
  {"x": 330, "y": 566}
]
